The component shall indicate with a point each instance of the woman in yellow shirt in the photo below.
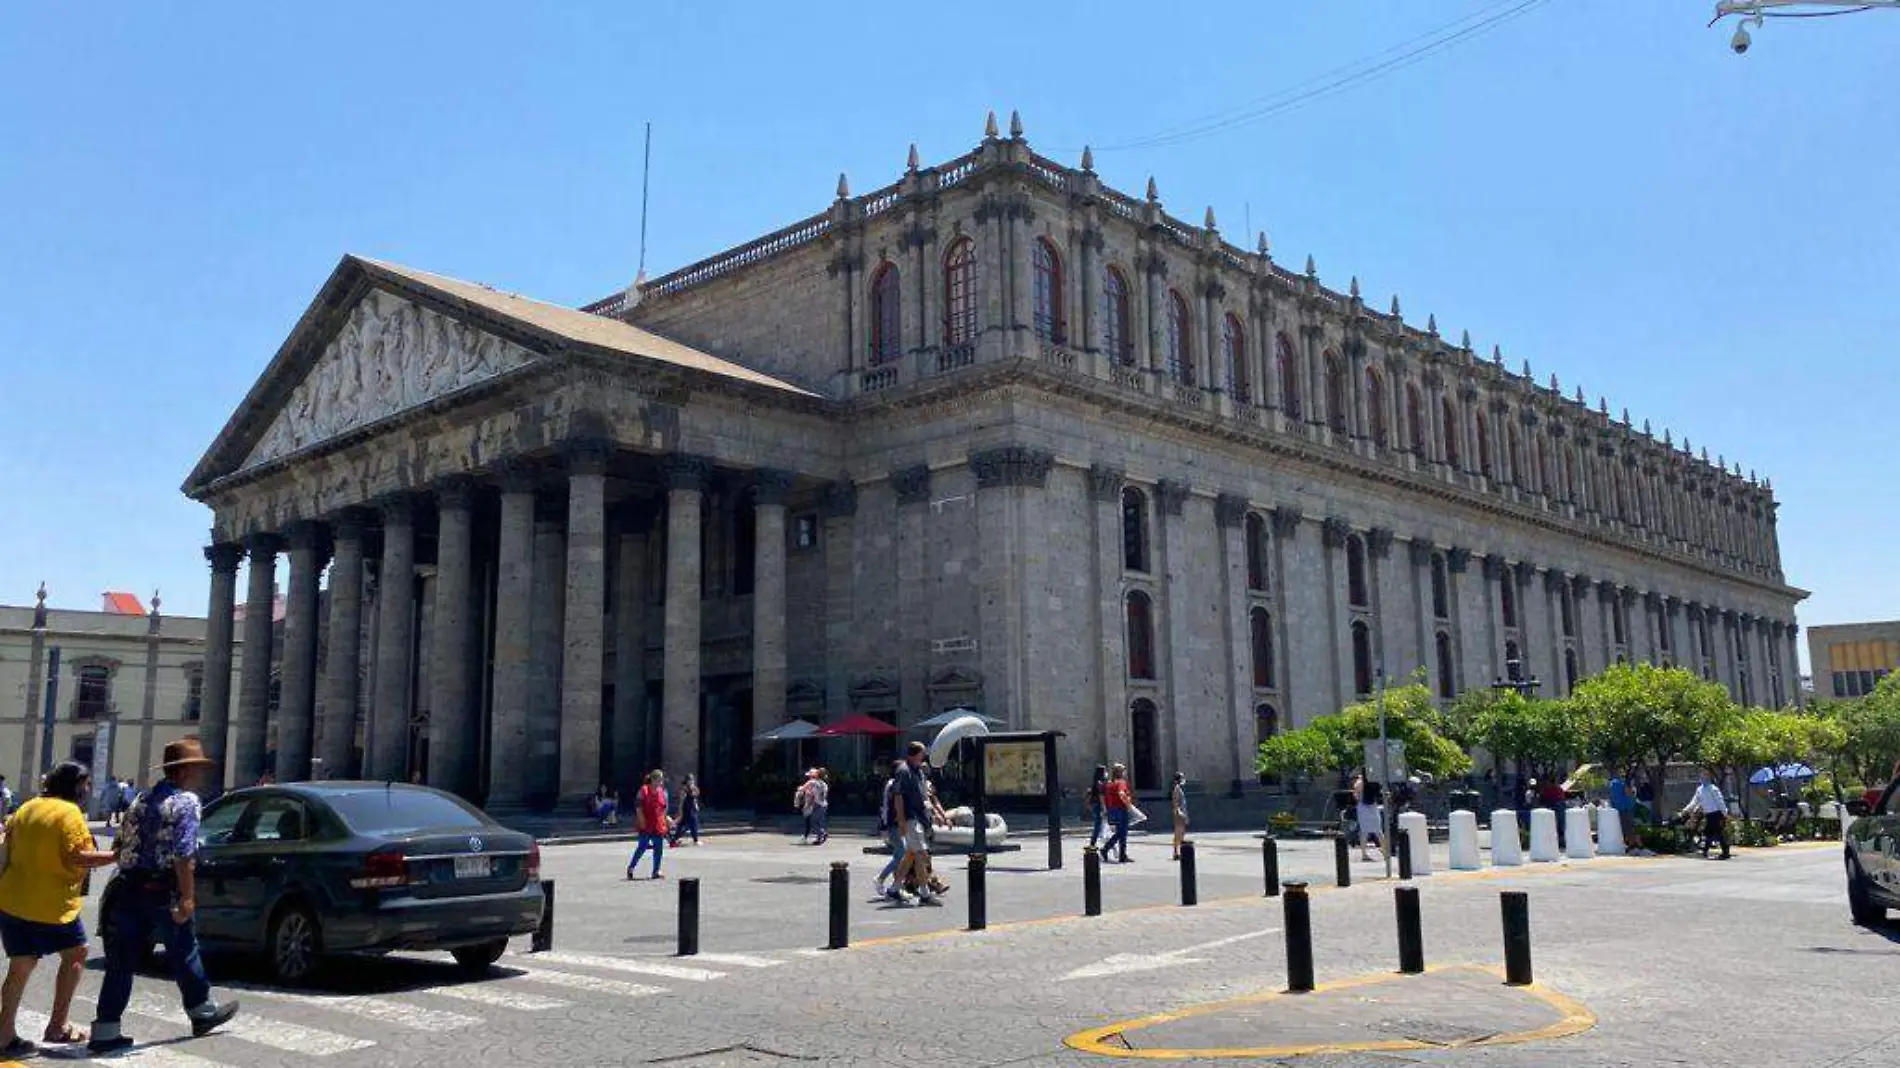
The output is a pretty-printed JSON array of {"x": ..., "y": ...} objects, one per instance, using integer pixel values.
[{"x": 49, "y": 848}]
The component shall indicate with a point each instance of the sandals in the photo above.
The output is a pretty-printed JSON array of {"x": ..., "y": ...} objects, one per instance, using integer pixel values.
[
  {"x": 71, "y": 1036},
  {"x": 18, "y": 1049}
]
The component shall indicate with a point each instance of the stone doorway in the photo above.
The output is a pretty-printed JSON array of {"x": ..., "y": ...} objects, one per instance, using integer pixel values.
[
  {"x": 725, "y": 730},
  {"x": 1143, "y": 734}
]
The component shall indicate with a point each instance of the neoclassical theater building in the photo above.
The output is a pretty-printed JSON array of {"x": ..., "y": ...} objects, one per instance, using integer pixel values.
[{"x": 993, "y": 435}]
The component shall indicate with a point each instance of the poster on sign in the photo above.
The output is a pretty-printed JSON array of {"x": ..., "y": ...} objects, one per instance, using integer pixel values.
[{"x": 1014, "y": 769}]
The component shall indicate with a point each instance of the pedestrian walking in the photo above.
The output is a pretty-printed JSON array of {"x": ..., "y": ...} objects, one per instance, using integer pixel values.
[
  {"x": 157, "y": 856},
  {"x": 802, "y": 800},
  {"x": 688, "y": 823},
  {"x": 892, "y": 830},
  {"x": 912, "y": 810},
  {"x": 1624, "y": 805},
  {"x": 1177, "y": 799},
  {"x": 821, "y": 806},
  {"x": 1369, "y": 813},
  {"x": 1120, "y": 804},
  {"x": 1092, "y": 806},
  {"x": 650, "y": 822},
  {"x": 1709, "y": 801},
  {"x": 49, "y": 848}
]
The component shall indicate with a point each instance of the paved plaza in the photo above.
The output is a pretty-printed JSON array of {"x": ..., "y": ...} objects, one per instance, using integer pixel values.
[{"x": 1638, "y": 961}]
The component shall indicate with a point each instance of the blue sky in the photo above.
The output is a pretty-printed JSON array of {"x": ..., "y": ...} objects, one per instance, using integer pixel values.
[{"x": 1601, "y": 188}]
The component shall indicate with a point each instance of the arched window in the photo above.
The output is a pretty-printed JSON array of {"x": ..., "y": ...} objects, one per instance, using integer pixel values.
[
  {"x": 1356, "y": 572},
  {"x": 1447, "y": 685},
  {"x": 1361, "y": 658},
  {"x": 1619, "y": 629},
  {"x": 1266, "y": 724},
  {"x": 1289, "y": 365},
  {"x": 887, "y": 337},
  {"x": 1507, "y": 598},
  {"x": 1484, "y": 447},
  {"x": 1336, "y": 393},
  {"x": 1233, "y": 344},
  {"x": 1449, "y": 433},
  {"x": 1667, "y": 641},
  {"x": 1117, "y": 338},
  {"x": 1048, "y": 271},
  {"x": 1260, "y": 630},
  {"x": 1144, "y": 764},
  {"x": 1570, "y": 670},
  {"x": 1513, "y": 662},
  {"x": 1256, "y": 534},
  {"x": 1141, "y": 636},
  {"x": 1180, "y": 340},
  {"x": 959, "y": 293},
  {"x": 1441, "y": 588},
  {"x": 1375, "y": 407},
  {"x": 1414, "y": 419},
  {"x": 1134, "y": 530}
]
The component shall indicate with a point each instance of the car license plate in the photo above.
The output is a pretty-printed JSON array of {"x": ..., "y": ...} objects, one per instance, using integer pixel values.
[{"x": 472, "y": 868}]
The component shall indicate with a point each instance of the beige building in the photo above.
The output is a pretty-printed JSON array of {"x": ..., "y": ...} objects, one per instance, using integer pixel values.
[
  {"x": 119, "y": 683},
  {"x": 994, "y": 434},
  {"x": 1850, "y": 659}
]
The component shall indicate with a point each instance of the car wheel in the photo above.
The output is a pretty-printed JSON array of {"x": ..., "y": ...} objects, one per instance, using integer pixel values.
[
  {"x": 1860, "y": 902},
  {"x": 479, "y": 958},
  {"x": 294, "y": 945}
]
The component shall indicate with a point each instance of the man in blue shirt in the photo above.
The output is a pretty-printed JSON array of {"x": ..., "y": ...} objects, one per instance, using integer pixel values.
[
  {"x": 158, "y": 849},
  {"x": 912, "y": 815}
]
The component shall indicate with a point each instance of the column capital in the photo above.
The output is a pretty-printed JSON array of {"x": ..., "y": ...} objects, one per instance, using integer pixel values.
[
  {"x": 1421, "y": 550},
  {"x": 841, "y": 499},
  {"x": 224, "y": 557},
  {"x": 587, "y": 455},
  {"x": 454, "y": 492},
  {"x": 1652, "y": 600},
  {"x": 1525, "y": 571},
  {"x": 1629, "y": 595},
  {"x": 911, "y": 484},
  {"x": 262, "y": 545},
  {"x": 350, "y": 524},
  {"x": 305, "y": 535},
  {"x": 1333, "y": 531},
  {"x": 1580, "y": 585},
  {"x": 1495, "y": 566},
  {"x": 1011, "y": 465},
  {"x": 1793, "y": 629},
  {"x": 1230, "y": 510},
  {"x": 1457, "y": 560},
  {"x": 1105, "y": 482},
  {"x": 1172, "y": 496},
  {"x": 684, "y": 471},
  {"x": 1554, "y": 581},
  {"x": 770, "y": 485},
  {"x": 516, "y": 475},
  {"x": 1286, "y": 521},
  {"x": 1379, "y": 542},
  {"x": 398, "y": 509}
]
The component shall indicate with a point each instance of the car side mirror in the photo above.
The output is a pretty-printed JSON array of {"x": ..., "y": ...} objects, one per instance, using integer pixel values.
[{"x": 1858, "y": 807}]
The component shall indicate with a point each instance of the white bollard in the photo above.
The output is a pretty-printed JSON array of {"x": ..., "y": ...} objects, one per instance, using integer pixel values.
[
  {"x": 1544, "y": 835},
  {"x": 1577, "y": 844},
  {"x": 1506, "y": 850},
  {"x": 1803, "y": 809},
  {"x": 1418, "y": 838},
  {"x": 1464, "y": 841},
  {"x": 1830, "y": 810},
  {"x": 1610, "y": 833}
]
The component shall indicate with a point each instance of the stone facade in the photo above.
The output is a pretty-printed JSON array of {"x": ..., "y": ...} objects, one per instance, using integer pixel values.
[{"x": 995, "y": 435}]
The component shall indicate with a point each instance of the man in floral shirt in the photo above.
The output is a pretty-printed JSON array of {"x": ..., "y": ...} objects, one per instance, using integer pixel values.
[{"x": 158, "y": 848}]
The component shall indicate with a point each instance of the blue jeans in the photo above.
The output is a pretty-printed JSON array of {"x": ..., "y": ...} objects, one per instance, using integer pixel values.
[
  {"x": 658, "y": 844},
  {"x": 821, "y": 820},
  {"x": 137, "y": 916},
  {"x": 688, "y": 824},
  {"x": 895, "y": 839},
  {"x": 1118, "y": 818},
  {"x": 1095, "y": 835}
]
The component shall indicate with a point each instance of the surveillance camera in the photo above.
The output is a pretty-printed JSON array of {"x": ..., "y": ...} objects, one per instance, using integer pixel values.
[{"x": 1740, "y": 41}]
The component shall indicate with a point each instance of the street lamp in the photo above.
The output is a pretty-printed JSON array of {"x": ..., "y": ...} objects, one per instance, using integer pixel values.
[
  {"x": 1753, "y": 12},
  {"x": 1514, "y": 679}
]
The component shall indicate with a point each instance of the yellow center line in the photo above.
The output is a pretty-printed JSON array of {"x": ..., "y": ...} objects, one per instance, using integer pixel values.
[{"x": 1575, "y": 1019}]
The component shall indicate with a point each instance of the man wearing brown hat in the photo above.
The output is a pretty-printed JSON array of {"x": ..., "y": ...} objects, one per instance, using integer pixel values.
[{"x": 158, "y": 848}]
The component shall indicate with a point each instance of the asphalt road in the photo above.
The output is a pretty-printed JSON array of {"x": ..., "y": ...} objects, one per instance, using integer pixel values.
[{"x": 1674, "y": 961}]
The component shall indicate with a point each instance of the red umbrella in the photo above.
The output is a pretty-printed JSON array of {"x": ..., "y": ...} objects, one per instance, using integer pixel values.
[{"x": 857, "y": 725}]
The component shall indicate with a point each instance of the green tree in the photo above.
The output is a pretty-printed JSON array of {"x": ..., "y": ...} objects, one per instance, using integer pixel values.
[
  {"x": 1743, "y": 740},
  {"x": 1868, "y": 743},
  {"x": 1642, "y": 716},
  {"x": 1337, "y": 742},
  {"x": 1542, "y": 735}
]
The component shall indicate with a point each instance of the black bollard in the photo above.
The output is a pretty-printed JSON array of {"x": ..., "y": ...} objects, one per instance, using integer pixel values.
[
  {"x": 1411, "y": 933},
  {"x": 840, "y": 905},
  {"x": 1402, "y": 841},
  {"x": 1342, "y": 862},
  {"x": 1270, "y": 863},
  {"x": 1190, "y": 892},
  {"x": 689, "y": 917},
  {"x": 1091, "y": 881},
  {"x": 1299, "y": 939},
  {"x": 544, "y": 934},
  {"x": 979, "y": 892},
  {"x": 1517, "y": 937}
]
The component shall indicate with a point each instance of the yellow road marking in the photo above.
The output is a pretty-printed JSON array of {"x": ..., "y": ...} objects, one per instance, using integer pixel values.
[{"x": 1577, "y": 1018}]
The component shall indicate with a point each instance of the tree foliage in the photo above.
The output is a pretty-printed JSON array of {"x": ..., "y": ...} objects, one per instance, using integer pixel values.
[
  {"x": 1543, "y": 734},
  {"x": 1337, "y": 742},
  {"x": 1868, "y": 743},
  {"x": 1642, "y": 715}
]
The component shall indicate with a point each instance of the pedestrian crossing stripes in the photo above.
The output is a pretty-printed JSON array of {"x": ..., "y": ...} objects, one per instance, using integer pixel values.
[
  {"x": 631, "y": 964},
  {"x": 380, "y": 1009},
  {"x": 34, "y": 1023},
  {"x": 576, "y": 981},
  {"x": 277, "y": 1034},
  {"x": 738, "y": 960},
  {"x": 485, "y": 994}
]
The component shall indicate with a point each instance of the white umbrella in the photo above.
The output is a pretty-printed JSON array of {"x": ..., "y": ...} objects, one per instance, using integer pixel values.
[
  {"x": 788, "y": 732},
  {"x": 965, "y": 726},
  {"x": 951, "y": 715}
]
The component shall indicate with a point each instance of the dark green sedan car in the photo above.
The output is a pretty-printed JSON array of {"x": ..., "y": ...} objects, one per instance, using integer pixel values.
[
  {"x": 303, "y": 871},
  {"x": 1873, "y": 860}
]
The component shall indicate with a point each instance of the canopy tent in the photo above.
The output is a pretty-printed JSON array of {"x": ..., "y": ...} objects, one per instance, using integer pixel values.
[
  {"x": 788, "y": 732},
  {"x": 857, "y": 726},
  {"x": 1782, "y": 772},
  {"x": 949, "y": 716}
]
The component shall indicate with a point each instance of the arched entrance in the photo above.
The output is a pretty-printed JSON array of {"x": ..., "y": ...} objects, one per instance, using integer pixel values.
[{"x": 1143, "y": 737}]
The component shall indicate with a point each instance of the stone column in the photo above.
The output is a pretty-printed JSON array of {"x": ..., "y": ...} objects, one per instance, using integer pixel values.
[
  {"x": 1590, "y": 658},
  {"x": 1392, "y": 641},
  {"x": 508, "y": 745},
  {"x": 343, "y": 670},
  {"x": 1792, "y": 669},
  {"x": 686, "y": 487},
  {"x": 1091, "y": 265},
  {"x": 1471, "y": 637},
  {"x": 33, "y": 716},
  {"x": 1022, "y": 299},
  {"x": 452, "y": 729},
  {"x": 585, "y": 630},
  {"x": 214, "y": 706},
  {"x": 1230, "y": 515},
  {"x": 547, "y": 610},
  {"x": 297, "y": 690},
  {"x": 1425, "y": 625},
  {"x": 1306, "y": 685},
  {"x": 1153, "y": 267},
  {"x": 1338, "y": 612},
  {"x": 247, "y": 757},
  {"x": 1175, "y": 631},
  {"x": 769, "y": 491},
  {"x": 630, "y": 644},
  {"x": 386, "y": 740},
  {"x": 1111, "y": 665}
]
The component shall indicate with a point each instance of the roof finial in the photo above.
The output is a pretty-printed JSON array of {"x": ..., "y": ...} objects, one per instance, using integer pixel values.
[
  {"x": 1705, "y": 454},
  {"x": 1603, "y": 406},
  {"x": 1265, "y": 248},
  {"x": 844, "y": 187},
  {"x": 1353, "y": 289},
  {"x": 1088, "y": 160},
  {"x": 1667, "y": 443},
  {"x": 1431, "y": 327},
  {"x": 1497, "y": 355},
  {"x": 1580, "y": 399},
  {"x": 1527, "y": 370},
  {"x": 40, "y": 596},
  {"x": 1154, "y": 191},
  {"x": 1209, "y": 220},
  {"x": 1015, "y": 124},
  {"x": 1395, "y": 307},
  {"x": 155, "y": 601},
  {"x": 1554, "y": 387},
  {"x": 1646, "y": 431},
  {"x": 1721, "y": 461},
  {"x": 910, "y": 164},
  {"x": 1751, "y": 474},
  {"x": 989, "y": 127},
  {"x": 39, "y": 607},
  {"x": 1312, "y": 271},
  {"x": 1626, "y": 416}
]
